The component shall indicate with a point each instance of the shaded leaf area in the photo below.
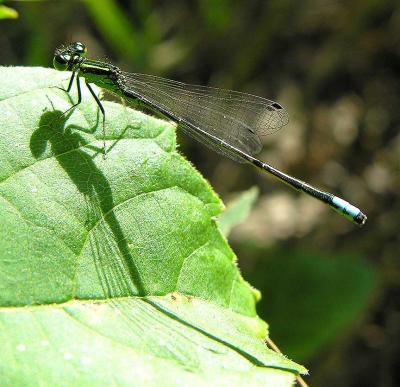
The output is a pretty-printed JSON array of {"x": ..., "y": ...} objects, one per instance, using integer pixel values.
[
  {"x": 345, "y": 285},
  {"x": 114, "y": 269}
]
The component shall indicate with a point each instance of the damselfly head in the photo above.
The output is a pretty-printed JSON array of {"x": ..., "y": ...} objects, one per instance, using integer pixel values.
[{"x": 66, "y": 57}]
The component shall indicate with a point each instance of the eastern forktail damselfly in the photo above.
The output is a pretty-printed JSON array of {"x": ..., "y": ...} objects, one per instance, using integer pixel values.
[{"x": 229, "y": 122}]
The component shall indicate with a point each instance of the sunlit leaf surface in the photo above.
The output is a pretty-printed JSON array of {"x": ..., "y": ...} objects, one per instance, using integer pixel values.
[{"x": 113, "y": 271}]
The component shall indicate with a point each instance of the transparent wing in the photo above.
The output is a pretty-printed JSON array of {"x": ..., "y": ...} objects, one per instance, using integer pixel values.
[{"x": 234, "y": 117}]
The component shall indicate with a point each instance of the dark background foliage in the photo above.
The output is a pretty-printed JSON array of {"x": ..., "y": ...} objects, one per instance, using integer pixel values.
[{"x": 330, "y": 290}]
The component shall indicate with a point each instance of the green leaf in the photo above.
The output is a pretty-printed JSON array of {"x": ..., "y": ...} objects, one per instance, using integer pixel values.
[
  {"x": 113, "y": 271},
  {"x": 237, "y": 210},
  {"x": 327, "y": 294},
  {"x": 7, "y": 12}
]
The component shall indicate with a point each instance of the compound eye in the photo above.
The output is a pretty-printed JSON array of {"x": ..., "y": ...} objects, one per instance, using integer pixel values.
[
  {"x": 61, "y": 62},
  {"x": 79, "y": 48}
]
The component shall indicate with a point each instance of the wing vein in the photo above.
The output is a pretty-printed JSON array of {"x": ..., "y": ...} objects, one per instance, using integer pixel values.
[{"x": 230, "y": 116}]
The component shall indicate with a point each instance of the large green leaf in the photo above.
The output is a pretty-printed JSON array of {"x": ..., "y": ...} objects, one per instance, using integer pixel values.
[{"x": 113, "y": 271}]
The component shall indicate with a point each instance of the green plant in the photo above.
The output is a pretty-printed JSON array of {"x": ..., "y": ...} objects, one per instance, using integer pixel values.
[
  {"x": 7, "y": 12},
  {"x": 114, "y": 271}
]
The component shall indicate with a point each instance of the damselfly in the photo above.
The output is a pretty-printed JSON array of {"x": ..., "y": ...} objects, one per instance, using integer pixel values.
[{"x": 227, "y": 121}]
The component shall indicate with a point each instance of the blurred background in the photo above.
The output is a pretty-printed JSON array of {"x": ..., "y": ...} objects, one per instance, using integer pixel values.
[{"x": 330, "y": 290}]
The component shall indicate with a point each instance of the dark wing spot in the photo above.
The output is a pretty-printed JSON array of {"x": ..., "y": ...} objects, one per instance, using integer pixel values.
[{"x": 276, "y": 105}]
